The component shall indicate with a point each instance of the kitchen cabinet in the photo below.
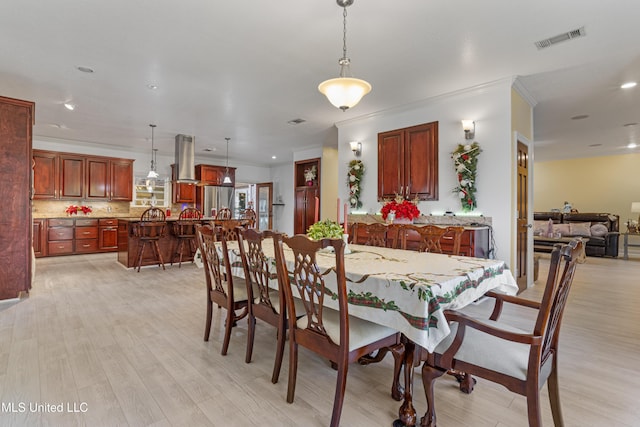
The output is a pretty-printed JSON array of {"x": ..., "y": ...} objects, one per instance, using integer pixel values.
[
  {"x": 109, "y": 179},
  {"x": 86, "y": 236},
  {"x": 73, "y": 176},
  {"x": 408, "y": 163},
  {"x": 214, "y": 175},
  {"x": 45, "y": 175},
  {"x": 39, "y": 237},
  {"x": 183, "y": 192},
  {"x": 121, "y": 180},
  {"x": 60, "y": 234},
  {"x": 16, "y": 126},
  {"x": 306, "y": 192},
  {"x": 108, "y": 235},
  {"x": 68, "y": 236}
]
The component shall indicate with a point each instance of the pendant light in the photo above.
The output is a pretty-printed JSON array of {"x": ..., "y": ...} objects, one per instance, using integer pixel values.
[
  {"x": 345, "y": 91},
  {"x": 227, "y": 178},
  {"x": 153, "y": 174}
]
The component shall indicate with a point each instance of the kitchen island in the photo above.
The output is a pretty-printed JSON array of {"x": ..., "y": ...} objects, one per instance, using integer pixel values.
[{"x": 128, "y": 244}]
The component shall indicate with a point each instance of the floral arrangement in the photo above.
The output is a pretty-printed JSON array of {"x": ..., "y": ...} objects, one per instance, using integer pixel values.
[
  {"x": 310, "y": 174},
  {"x": 354, "y": 182},
  {"x": 73, "y": 210},
  {"x": 465, "y": 159},
  {"x": 326, "y": 228},
  {"x": 401, "y": 207}
]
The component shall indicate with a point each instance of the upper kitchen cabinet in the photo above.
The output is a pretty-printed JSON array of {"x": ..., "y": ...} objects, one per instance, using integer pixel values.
[
  {"x": 408, "y": 163},
  {"x": 73, "y": 176},
  {"x": 72, "y": 171},
  {"x": 214, "y": 175},
  {"x": 45, "y": 175},
  {"x": 183, "y": 192},
  {"x": 16, "y": 124}
]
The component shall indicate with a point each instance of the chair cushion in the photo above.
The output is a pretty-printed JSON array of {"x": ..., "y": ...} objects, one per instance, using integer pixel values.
[
  {"x": 485, "y": 350},
  {"x": 361, "y": 332}
]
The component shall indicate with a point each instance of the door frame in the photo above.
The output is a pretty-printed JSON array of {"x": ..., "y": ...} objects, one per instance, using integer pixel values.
[{"x": 517, "y": 136}]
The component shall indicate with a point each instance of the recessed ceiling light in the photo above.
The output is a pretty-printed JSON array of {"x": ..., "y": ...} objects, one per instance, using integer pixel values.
[
  {"x": 628, "y": 85},
  {"x": 69, "y": 106},
  {"x": 296, "y": 121},
  {"x": 152, "y": 86},
  {"x": 274, "y": 157},
  {"x": 632, "y": 145},
  {"x": 210, "y": 149},
  {"x": 630, "y": 124},
  {"x": 595, "y": 145},
  {"x": 580, "y": 117},
  {"x": 85, "y": 69}
]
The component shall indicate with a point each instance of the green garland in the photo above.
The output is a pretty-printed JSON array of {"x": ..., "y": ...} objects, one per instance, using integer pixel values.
[
  {"x": 465, "y": 159},
  {"x": 354, "y": 182}
]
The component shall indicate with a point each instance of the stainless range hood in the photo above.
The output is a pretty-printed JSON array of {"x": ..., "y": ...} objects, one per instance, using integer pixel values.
[{"x": 185, "y": 158}]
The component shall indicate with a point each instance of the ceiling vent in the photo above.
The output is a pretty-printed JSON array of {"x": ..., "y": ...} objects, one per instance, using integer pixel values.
[{"x": 560, "y": 38}]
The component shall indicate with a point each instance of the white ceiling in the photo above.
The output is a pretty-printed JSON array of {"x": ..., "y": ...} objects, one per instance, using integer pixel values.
[{"x": 243, "y": 69}]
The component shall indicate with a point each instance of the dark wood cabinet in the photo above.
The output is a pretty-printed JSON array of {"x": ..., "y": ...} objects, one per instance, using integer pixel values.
[
  {"x": 182, "y": 192},
  {"x": 306, "y": 192},
  {"x": 108, "y": 235},
  {"x": 68, "y": 236},
  {"x": 408, "y": 163},
  {"x": 59, "y": 176},
  {"x": 39, "y": 237},
  {"x": 97, "y": 178},
  {"x": 16, "y": 125},
  {"x": 60, "y": 234},
  {"x": 45, "y": 175},
  {"x": 214, "y": 175},
  {"x": 71, "y": 176},
  {"x": 121, "y": 180}
]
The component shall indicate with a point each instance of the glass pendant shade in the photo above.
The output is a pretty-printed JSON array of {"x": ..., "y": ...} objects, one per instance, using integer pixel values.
[
  {"x": 344, "y": 92},
  {"x": 227, "y": 178}
]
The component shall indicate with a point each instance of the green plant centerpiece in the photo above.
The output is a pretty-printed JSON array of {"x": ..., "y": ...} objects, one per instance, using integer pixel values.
[{"x": 326, "y": 228}]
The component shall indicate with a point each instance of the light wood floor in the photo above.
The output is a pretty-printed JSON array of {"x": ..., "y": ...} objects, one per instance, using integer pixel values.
[{"x": 129, "y": 346}]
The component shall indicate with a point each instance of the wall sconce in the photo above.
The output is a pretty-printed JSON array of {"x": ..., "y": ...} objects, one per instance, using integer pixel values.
[
  {"x": 356, "y": 147},
  {"x": 469, "y": 127}
]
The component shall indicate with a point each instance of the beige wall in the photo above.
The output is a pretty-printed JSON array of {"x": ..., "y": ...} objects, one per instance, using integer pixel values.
[
  {"x": 594, "y": 184},
  {"x": 329, "y": 183},
  {"x": 521, "y": 119}
]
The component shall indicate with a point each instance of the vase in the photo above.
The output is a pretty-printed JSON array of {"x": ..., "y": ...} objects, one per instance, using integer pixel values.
[
  {"x": 402, "y": 221},
  {"x": 310, "y": 183}
]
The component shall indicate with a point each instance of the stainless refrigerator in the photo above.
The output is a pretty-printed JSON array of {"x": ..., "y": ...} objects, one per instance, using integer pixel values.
[{"x": 216, "y": 197}]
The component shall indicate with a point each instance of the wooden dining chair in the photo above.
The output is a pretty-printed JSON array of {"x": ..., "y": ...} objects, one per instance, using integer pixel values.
[
  {"x": 519, "y": 360},
  {"x": 452, "y": 237},
  {"x": 224, "y": 213},
  {"x": 375, "y": 234},
  {"x": 330, "y": 333},
  {"x": 429, "y": 237},
  {"x": 225, "y": 290},
  {"x": 153, "y": 214},
  {"x": 250, "y": 216},
  {"x": 265, "y": 302}
]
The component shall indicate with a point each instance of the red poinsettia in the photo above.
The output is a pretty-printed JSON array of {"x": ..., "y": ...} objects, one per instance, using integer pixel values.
[
  {"x": 403, "y": 209},
  {"x": 73, "y": 209}
]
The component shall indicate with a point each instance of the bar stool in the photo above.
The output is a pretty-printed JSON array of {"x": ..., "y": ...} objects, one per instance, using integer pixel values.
[
  {"x": 148, "y": 231},
  {"x": 184, "y": 229}
]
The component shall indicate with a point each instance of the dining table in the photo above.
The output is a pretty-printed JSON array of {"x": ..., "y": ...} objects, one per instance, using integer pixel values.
[{"x": 405, "y": 290}]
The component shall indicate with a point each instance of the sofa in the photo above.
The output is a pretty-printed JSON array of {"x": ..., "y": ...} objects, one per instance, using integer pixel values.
[{"x": 602, "y": 229}]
